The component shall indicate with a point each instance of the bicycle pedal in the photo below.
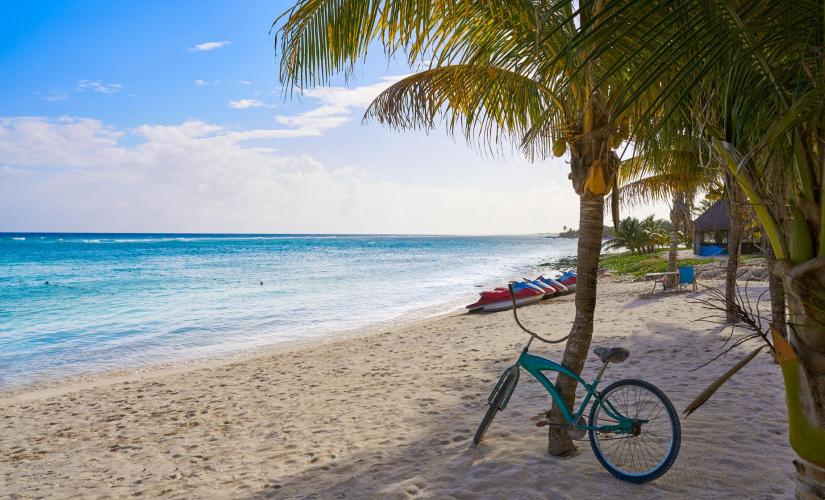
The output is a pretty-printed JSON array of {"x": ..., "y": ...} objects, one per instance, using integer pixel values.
[
  {"x": 546, "y": 423},
  {"x": 539, "y": 418}
]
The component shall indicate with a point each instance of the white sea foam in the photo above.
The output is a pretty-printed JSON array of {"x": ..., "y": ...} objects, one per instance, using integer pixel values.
[{"x": 186, "y": 296}]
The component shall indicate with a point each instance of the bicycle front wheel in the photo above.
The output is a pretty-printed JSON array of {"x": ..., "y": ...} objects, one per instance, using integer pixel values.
[
  {"x": 650, "y": 450},
  {"x": 496, "y": 403}
]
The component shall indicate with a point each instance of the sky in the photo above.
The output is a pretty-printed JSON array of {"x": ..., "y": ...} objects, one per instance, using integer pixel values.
[{"x": 158, "y": 116}]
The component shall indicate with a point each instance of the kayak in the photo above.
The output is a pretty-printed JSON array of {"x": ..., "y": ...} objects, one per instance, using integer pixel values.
[
  {"x": 548, "y": 289},
  {"x": 568, "y": 279},
  {"x": 499, "y": 299},
  {"x": 525, "y": 292},
  {"x": 558, "y": 287},
  {"x": 524, "y": 284}
]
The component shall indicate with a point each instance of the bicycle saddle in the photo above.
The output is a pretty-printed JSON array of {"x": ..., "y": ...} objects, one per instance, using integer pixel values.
[{"x": 611, "y": 354}]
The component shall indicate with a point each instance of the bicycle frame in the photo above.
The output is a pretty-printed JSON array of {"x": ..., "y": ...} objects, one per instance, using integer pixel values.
[{"x": 536, "y": 365}]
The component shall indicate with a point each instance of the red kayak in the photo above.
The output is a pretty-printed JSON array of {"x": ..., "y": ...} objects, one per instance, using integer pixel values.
[{"x": 499, "y": 299}]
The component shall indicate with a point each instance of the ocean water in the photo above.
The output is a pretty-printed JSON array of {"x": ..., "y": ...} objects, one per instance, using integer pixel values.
[{"x": 74, "y": 304}]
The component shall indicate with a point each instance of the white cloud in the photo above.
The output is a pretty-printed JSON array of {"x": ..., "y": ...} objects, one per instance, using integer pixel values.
[
  {"x": 79, "y": 175},
  {"x": 98, "y": 86},
  {"x": 68, "y": 142},
  {"x": 203, "y": 47},
  {"x": 246, "y": 103},
  {"x": 204, "y": 83},
  {"x": 352, "y": 97},
  {"x": 338, "y": 105},
  {"x": 318, "y": 119}
]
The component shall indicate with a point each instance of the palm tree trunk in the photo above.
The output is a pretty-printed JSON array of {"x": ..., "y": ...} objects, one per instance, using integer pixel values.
[
  {"x": 735, "y": 228},
  {"x": 591, "y": 222},
  {"x": 675, "y": 218},
  {"x": 673, "y": 250},
  {"x": 685, "y": 217},
  {"x": 779, "y": 206},
  {"x": 804, "y": 372},
  {"x": 777, "y": 292}
]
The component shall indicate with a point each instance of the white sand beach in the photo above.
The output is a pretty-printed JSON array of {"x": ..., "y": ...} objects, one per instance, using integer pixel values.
[{"x": 391, "y": 414}]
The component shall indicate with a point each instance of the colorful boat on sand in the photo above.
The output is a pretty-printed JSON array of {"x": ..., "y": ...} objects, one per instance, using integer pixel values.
[
  {"x": 568, "y": 279},
  {"x": 549, "y": 290},
  {"x": 525, "y": 292},
  {"x": 499, "y": 299},
  {"x": 558, "y": 287}
]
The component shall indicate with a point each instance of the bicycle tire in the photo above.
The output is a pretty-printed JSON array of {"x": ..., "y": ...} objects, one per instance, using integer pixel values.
[
  {"x": 494, "y": 405},
  {"x": 672, "y": 451}
]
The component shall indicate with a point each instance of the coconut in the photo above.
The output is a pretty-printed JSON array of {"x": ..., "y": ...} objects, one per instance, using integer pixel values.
[{"x": 559, "y": 147}]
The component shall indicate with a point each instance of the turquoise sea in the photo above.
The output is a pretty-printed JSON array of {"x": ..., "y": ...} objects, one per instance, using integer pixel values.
[{"x": 74, "y": 304}]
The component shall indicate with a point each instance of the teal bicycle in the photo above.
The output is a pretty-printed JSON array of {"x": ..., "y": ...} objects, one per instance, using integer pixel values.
[{"x": 633, "y": 427}]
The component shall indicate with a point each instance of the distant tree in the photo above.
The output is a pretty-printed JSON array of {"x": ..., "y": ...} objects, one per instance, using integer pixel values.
[
  {"x": 569, "y": 232},
  {"x": 640, "y": 236}
]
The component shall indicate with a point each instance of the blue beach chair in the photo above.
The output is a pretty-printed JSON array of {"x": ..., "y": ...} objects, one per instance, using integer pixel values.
[{"x": 687, "y": 276}]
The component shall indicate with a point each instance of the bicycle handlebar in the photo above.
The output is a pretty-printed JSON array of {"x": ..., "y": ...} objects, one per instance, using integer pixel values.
[{"x": 532, "y": 334}]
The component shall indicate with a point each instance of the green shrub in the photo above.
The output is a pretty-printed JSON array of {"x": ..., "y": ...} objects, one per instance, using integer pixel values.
[{"x": 638, "y": 265}]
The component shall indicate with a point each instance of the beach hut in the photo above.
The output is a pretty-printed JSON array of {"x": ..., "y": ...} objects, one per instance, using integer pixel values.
[{"x": 710, "y": 235}]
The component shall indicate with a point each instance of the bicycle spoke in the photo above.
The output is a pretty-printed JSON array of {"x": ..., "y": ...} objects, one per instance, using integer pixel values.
[
  {"x": 648, "y": 449},
  {"x": 650, "y": 454},
  {"x": 653, "y": 444}
]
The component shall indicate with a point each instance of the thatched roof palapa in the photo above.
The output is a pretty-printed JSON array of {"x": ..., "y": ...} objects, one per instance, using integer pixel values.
[{"x": 714, "y": 219}]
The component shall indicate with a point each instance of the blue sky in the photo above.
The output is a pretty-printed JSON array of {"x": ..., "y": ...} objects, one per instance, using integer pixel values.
[{"x": 169, "y": 116}]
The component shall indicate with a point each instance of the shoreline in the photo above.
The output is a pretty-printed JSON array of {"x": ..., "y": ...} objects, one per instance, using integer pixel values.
[
  {"x": 390, "y": 413},
  {"x": 62, "y": 385},
  {"x": 54, "y": 384}
]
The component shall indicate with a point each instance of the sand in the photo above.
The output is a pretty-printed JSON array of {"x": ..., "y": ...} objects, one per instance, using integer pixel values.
[{"x": 391, "y": 414}]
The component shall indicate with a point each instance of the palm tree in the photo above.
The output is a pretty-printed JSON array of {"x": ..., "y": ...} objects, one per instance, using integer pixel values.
[
  {"x": 736, "y": 226},
  {"x": 639, "y": 236},
  {"x": 749, "y": 74},
  {"x": 670, "y": 171},
  {"x": 678, "y": 174},
  {"x": 656, "y": 233},
  {"x": 499, "y": 70},
  {"x": 630, "y": 234}
]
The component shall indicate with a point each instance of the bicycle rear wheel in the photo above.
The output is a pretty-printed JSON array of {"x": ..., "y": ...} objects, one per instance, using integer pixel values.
[
  {"x": 496, "y": 403},
  {"x": 651, "y": 449}
]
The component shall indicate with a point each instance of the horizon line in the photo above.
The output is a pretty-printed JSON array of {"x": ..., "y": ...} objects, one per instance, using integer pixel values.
[{"x": 267, "y": 234}]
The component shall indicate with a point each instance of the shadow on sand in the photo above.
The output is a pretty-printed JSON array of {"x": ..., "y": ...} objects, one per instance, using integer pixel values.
[{"x": 437, "y": 460}]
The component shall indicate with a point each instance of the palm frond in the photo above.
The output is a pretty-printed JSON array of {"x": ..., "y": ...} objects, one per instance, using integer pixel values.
[
  {"x": 484, "y": 104},
  {"x": 319, "y": 39}
]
